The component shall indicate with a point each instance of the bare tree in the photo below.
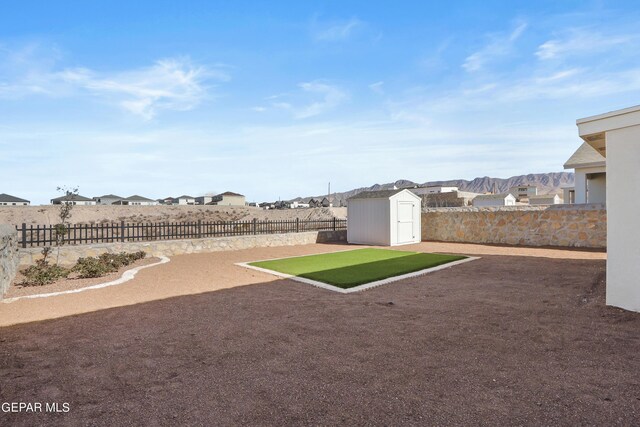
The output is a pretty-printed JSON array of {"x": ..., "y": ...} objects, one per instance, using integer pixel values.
[{"x": 64, "y": 214}]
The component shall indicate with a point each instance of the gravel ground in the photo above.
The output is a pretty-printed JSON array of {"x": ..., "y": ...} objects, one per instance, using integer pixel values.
[{"x": 504, "y": 340}]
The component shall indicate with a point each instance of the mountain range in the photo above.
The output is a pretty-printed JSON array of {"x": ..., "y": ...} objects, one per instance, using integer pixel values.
[{"x": 551, "y": 182}]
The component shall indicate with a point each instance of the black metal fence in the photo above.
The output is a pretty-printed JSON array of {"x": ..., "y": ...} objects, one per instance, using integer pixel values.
[{"x": 78, "y": 234}]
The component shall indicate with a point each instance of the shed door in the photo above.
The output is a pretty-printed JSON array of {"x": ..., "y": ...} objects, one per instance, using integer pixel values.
[{"x": 405, "y": 222}]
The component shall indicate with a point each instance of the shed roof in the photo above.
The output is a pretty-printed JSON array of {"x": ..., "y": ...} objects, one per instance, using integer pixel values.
[
  {"x": 379, "y": 194},
  {"x": 585, "y": 156},
  {"x": 7, "y": 198}
]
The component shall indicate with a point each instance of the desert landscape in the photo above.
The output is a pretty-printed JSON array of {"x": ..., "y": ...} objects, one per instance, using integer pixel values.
[{"x": 47, "y": 215}]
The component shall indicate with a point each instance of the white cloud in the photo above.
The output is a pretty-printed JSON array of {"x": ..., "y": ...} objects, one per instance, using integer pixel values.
[
  {"x": 500, "y": 45},
  {"x": 169, "y": 84},
  {"x": 27, "y": 70},
  {"x": 337, "y": 31},
  {"x": 326, "y": 97},
  {"x": 331, "y": 96},
  {"x": 581, "y": 41},
  {"x": 377, "y": 87}
]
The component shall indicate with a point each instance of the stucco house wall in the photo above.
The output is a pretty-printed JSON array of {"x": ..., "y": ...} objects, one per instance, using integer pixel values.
[{"x": 617, "y": 136}]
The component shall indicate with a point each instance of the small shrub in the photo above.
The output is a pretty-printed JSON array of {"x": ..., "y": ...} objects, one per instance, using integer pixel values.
[
  {"x": 43, "y": 273},
  {"x": 90, "y": 267},
  {"x": 106, "y": 263}
]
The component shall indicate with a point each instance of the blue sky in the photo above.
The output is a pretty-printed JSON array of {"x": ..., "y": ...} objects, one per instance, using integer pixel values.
[{"x": 275, "y": 99}]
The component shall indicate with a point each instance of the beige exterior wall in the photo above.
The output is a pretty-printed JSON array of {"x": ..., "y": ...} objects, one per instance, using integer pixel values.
[
  {"x": 596, "y": 187},
  {"x": 232, "y": 201},
  {"x": 559, "y": 225},
  {"x": 623, "y": 202},
  {"x": 617, "y": 135},
  {"x": 70, "y": 254}
]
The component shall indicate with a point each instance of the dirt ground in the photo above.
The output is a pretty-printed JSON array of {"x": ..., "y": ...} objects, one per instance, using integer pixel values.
[
  {"x": 70, "y": 283},
  {"x": 517, "y": 340},
  {"x": 44, "y": 215},
  {"x": 206, "y": 272}
]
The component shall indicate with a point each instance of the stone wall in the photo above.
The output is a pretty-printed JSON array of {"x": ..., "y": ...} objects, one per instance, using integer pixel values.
[
  {"x": 8, "y": 256},
  {"x": 558, "y": 225},
  {"x": 70, "y": 254}
]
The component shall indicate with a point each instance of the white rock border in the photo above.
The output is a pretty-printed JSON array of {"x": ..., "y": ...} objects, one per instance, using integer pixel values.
[
  {"x": 358, "y": 288},
  {"x": 126, "y": 276}
]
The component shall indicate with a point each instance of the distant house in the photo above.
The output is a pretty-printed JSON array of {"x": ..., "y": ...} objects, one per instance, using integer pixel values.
[
  {"x": 523, "y": 192},
  {"x": 185, "y": 200},
  {"x": 447, "y": 199},
  {"x": 8, "y": 200},
  {"x": 136, "y": 200},
  {"x": 590, "y": 176},
  {"x": 73, "y": 199},
  {"x": 545, "y": 199},
  {"x": 325, "y": 203},
  {"x": 282, "y": 204},
  {"x": 168, "y": 201},
  {"x": 204, "y": 200},
  {"x": 228, "y": 198},
  {"x": 504, "y": 199},
  {"x": 299, "y": 205},
  {"x": 107, "y": 199},
  {"x": 313, "y": 203},
  {"x": 266, "y": 205},
  {"x": 433, "y": 189}
]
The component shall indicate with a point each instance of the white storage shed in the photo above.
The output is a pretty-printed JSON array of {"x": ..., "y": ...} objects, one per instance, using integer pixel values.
[{"x": 386, "y": 218}]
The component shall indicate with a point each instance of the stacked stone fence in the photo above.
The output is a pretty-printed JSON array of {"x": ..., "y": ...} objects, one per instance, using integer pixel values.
[
  {"x": 70, "y": 254},
  {"x": 9, "y": 256},
  {"x": 580, "y": 226}
]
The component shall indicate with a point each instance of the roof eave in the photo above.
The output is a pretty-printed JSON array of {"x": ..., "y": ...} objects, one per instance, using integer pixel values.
[{"x": 585, "y": 165}]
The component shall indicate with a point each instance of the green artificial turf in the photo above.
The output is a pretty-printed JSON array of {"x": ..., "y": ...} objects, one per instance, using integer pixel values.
[{"x": 352, "y": 268}]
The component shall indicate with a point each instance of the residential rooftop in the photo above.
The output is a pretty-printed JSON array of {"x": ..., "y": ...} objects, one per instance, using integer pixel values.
[
  {"x": 230, "y": 193},
  {"x": 7, "y": 198},
  {"x": 109, "y": 196},
  {"x": 136, "y": 198},
  {"x": 72, "y": 197},
  {"x": 585, "y": 156}
]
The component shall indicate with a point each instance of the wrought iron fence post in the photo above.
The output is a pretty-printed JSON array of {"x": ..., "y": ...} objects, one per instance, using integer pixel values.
[
  {"x": 24, "y": 235},
  {"x": 199, "y": 229},
  {"x": 297, "y": 225},
  {"x": 334, "y": 223},
  {"x": 122, "y": 231},
  {"x": 255, "y": 226}
]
